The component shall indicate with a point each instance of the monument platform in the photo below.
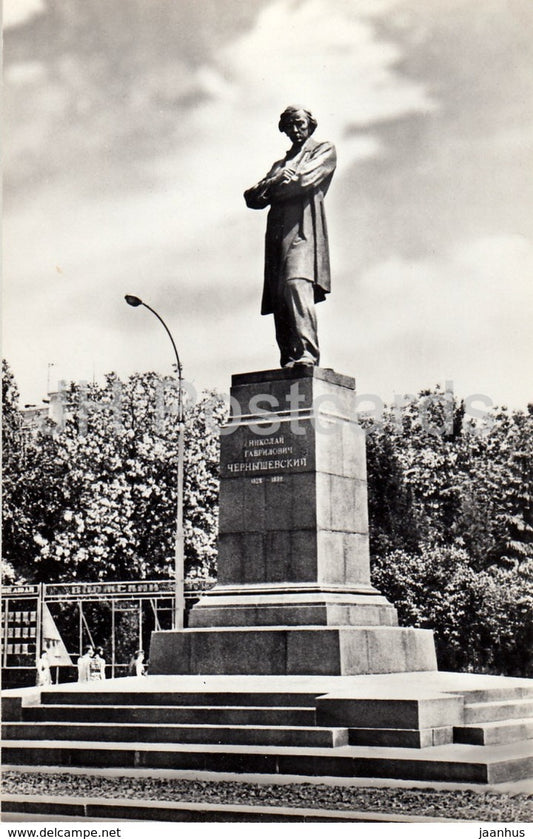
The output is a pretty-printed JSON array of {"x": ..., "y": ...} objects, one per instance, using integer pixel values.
[
  {"x": 342, "y": 650},
  {"x": 293, "y": 594},
  {"x": 427, "y": 726}
]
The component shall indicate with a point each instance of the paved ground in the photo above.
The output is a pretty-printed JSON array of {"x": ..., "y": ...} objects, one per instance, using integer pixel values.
[
  {"x": 391, "y": 801},
  {"x": 392, "y": 685},
  {"x": 193, "y": 775}
]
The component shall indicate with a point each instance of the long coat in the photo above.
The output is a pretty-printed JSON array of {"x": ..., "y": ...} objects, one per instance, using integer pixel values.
[{"x": 296, "y": 241}]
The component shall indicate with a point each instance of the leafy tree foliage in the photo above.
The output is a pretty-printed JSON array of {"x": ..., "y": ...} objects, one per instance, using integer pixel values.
[
  {"x": 436, "y": 478},
  {"x": 483, "y": 620},
  {"x": 451, "y": 524},
  {"x": 15, "y": 521},
  {"x": 100, "y": 490}
]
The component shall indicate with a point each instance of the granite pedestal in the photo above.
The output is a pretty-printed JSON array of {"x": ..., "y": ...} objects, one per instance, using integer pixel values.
[{"x": 293, "y": 594}]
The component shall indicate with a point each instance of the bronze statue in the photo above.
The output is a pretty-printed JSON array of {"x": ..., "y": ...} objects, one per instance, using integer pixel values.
[{"x": 297, "y": 272}]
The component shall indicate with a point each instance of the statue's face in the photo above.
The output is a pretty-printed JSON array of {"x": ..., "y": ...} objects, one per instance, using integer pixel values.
[{"x": 298, "y": 128}]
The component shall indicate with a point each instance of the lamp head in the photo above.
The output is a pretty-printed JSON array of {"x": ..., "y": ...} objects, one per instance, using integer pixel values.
[{"x": 131, "y": 300}]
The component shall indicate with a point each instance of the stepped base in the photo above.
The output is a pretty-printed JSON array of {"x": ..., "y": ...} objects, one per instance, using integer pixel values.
[
  {"x": 335, "y": 651},
  {"x": 494, "y": 733},
  {"x": 455, "y": 763},
  {"x": 231, "y": 735},
  {"x": 292, "y": 606},
  {"x": 394, "y": 726}
]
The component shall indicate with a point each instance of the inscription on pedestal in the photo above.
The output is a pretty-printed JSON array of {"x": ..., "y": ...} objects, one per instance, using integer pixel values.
[{"x": 264, "y": 450}]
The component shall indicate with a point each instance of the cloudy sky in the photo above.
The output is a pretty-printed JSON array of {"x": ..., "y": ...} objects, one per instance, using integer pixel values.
[{"x": 135, "y": 125}]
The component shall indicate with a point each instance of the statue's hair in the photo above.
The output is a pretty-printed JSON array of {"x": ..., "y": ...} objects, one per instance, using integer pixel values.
[{"x": 289, "y": 112}]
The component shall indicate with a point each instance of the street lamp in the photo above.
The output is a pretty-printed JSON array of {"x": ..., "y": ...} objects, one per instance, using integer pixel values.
[{"x": 179, "y": 550}]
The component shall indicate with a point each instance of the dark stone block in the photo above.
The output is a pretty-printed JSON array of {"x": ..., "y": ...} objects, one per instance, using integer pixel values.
[
  {"x": 178, "y": 759},
  {"x": 39, "y": 808},
  {"x": 325, "y": 374},
  {"x": 280, "y": 499},
  {"x": 11, "y": 708},
  {"x": 254, "y": 558},
  {"x": 281, "y": 650},
  {"x": 231, "y": 511},
  {"x": 312, "y": 651},
  {"x": 230, "y": 559},
  {"x": 317, "y": 765},
  {"x": 239, "y": 651},
  {"x": 303, "y": 557},
  {"x": 278, "y": 556},
  {"x": 254, "y": 501},
  {"x": 303, "y": 503}
]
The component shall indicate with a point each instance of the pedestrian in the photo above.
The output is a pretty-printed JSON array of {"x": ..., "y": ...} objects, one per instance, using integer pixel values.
[
  {"x": 44, "y": 676},
  {"x": 84, "y": 664},
  {"x": 137, "y": 666},
  {"x": 97, "y": 665}
]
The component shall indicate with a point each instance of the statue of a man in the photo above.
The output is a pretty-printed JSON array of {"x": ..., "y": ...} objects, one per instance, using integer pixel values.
[{"x": 297, "y": 272}]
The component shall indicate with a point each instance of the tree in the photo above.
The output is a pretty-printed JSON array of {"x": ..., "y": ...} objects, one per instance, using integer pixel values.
[
  {"x": 100, "y": 491},
  {"x": 451, "y": 529},
  {"x": 436, "y": 478},
  {"x": 17, "y": 543},
  {"x": 502, "y": 480},
  {"x": 483, "y": 621}
]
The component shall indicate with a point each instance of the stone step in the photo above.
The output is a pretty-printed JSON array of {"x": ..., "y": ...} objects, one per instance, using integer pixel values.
[
  {"x": 177, "y": 734},
  {"x": 407, "y": 738},
  {"x": 492, "y": 733},
  {"x": 497, "y": 694},
  {"x": 177, "y": 714},
  {"x": 150, "y": 697},
  {"x": 378, "y": 712},
  {"x": 454, "y": 763},
  {"x": 20, "y": 807},
  {"x": 498, "y": 710}
]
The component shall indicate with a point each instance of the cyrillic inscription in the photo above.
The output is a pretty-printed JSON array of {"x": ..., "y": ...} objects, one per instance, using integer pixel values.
[{"x": 279, "y": 453}]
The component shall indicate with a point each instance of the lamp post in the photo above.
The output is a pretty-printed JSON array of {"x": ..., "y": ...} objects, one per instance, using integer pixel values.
[{"x": 179, "y": 550}]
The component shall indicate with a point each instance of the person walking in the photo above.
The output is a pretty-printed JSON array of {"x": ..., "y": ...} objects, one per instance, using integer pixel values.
[
  {"x": 97, "y": 665},
  {"x": 84, "y": 664},
  {"x": 44, "y": 676},
  {"x": 137, "y": 666}
]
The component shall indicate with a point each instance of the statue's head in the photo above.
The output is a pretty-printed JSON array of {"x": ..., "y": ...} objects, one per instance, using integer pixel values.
[{"x": 297, "y": 123}]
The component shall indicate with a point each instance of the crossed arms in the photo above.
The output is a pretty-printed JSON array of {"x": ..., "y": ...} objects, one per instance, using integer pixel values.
[{"x": 284, "y": 181}]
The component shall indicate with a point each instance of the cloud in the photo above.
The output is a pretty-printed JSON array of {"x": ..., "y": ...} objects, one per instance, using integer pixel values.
[
  {"x": 463, "y": 315},
  {"x": 181, "y": 232},
  {"x": 16, "y": 12},
  {"x": 145, "y": 196},
  {"x": 323, "y": 54}
]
